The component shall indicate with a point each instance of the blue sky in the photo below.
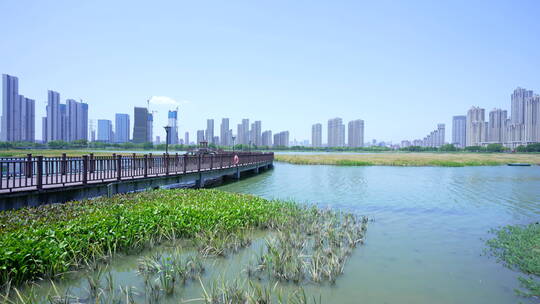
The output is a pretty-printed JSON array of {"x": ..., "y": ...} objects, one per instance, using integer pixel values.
[{"x": 402, "y": 66}]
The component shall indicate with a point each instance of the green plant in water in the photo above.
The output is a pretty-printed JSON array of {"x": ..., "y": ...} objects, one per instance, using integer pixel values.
[{"x": 519, "y": 248}]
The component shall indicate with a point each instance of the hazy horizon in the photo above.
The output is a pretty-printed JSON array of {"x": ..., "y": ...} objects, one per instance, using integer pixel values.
[{"x": 401, "y": 67}]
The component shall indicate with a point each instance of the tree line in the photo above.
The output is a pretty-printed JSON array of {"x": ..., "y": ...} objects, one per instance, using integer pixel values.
[{"x": 84, "y": 144}]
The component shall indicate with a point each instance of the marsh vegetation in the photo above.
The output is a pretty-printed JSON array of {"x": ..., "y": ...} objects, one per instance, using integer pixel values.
[
  {"x": 518, "y": 247},
  {"x": 409, "y": 159},
  {"x": 294, "y": 245}
]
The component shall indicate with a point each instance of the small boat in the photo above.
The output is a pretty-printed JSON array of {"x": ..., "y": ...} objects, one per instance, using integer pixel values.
[{"x": 519, "y": 164}]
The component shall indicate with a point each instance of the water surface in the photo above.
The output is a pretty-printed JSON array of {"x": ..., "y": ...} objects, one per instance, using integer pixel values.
[{"x": 427, "y": 242}]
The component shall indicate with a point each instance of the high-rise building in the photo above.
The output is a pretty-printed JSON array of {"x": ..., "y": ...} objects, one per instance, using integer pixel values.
[
  {"x": 209, "y": 131},
  {"x": 243, "y": 132},
  {"x": 140, "y": 125},
  {"x": 281, "y": 139},
  {"x": 255, "y": 134},
  {"x": 77, "y": 120},
  {"x": 200, "y": 136},
  {"x": 224, "y": 132},
  {"x": 54, "y": 120},
  {"x": 518, "y": 99},
  {"x": 150, "y": 127},
  {"x": 475, "y": 126},
  {"x": 105, "y": 133},
  {"x": 532, "y": 120},
  {"x": 239, "y": 132},
  {"x": 44, "y": 129},
  {"x": 316, "y": 135},
  {"x": 63, "y": 122},
  {"x": 186, "y": 140},
  {"x": 459, "y": 133},
  {"x": 173, "y": 123},
  {"x": 441, "y": 132},
  {"x": 356, "y": 133},
  {"x": 267, "y": 138},
  {"x": 18, "y": 112},
  {"x": 121, "y": 128},
  {"x": 10, "y": 96},
  {"x": 496, "y": 126},
  {"x": 336, "y": 132}
]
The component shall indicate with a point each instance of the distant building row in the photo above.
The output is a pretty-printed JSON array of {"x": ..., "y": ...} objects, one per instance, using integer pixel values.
[
  {"x": 336, "y": 133},
  {"x": 246, "y": 134}
]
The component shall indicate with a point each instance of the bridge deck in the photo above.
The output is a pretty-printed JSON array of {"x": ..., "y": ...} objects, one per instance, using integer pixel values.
[{"x": 22, "y": 174}]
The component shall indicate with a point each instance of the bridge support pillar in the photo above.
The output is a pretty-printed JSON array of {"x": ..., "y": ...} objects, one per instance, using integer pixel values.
[
  {"x": 236, "y": 175},
  {"x": 199, "y": 183}
]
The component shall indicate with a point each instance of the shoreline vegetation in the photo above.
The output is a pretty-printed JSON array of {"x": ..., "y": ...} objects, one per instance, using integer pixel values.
[
  {"x": 518, "y": 247},
  {"x": 305, "y": 245},
  {"x": 410, "y": 159}
]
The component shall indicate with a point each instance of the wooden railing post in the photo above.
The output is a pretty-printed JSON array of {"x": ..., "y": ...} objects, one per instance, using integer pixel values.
[
  {"x": 221, "y": 161},
  {"x": 150, "y": 160},
  {"x": 39, "y": 177},
  {"x": 199, "y": 166},
  {"x": 211, "y": 161},
  {"x": 28, "y": 165},
  {"x": 92, "y": 163},
  {"x": 185, "y": 162},
  {"x": 166, "y": 158},
  {"x": 85, "y": 169},
  {"x": 63, "y": 164},
  {"x": 119, "y": 167},
  {"x": 176, "y": 162},
  {"x": 133, "y": 164},
  {"x": 146, "y": 165}
]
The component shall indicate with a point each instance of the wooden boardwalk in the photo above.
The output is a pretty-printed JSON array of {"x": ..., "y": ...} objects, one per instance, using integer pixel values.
[{"x": 39, "y": 173}]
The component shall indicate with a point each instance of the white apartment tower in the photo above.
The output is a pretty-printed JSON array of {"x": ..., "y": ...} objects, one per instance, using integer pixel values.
[
  {"x": 356, "y": 133},
  {"x": 316, "y": 135},
  {"x": 336, "y": 132},
  {"x": 475, "y": 126},
  {"x": 210, "y": 131}
]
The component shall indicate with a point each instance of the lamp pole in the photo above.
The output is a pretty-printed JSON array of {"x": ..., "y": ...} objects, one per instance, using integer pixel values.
[
  {"x": 233, "y": 138},
  {"x": 167, "y": 130}
]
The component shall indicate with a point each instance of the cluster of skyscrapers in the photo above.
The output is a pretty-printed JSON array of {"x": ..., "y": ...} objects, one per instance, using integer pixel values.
[
  {"x": 18, "y": 113},
  {"x": 246, "y": 134},
  {"x": 521, "y": 128},
  {"x": 336, "y": 133},
  {"x": 67, "y": 122}
]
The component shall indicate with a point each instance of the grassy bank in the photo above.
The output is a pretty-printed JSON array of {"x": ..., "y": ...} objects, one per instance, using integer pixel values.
[
  {"x": 52, "y": 239},
  {"x": 519, "y": 248},
  {"x": 410, "y": 159}
]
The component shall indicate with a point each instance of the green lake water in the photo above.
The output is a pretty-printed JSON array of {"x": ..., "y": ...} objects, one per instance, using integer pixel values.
[{"x": 425, "y": 244}]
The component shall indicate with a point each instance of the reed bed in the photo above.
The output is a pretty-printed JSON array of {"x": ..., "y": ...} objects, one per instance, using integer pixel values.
[{"x": 410, "y": 159}]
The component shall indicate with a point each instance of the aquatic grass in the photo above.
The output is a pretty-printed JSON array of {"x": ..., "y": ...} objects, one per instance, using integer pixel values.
[
  {"x": 405, "y": 159},
  {"x": 52, "y": 239},
  {"x": 236, "y": 292},
  {"x": 314, "y": 246},
  {"x": 518, "y": 247}
]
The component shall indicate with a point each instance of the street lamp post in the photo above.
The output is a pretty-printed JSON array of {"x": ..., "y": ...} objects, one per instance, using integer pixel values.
[
  {"x": 233, "y": 138},
  {"x": 167, "y": 130}
]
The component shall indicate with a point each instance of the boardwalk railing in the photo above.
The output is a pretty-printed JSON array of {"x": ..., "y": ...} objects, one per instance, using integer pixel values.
[{"x": 38, "y": 172}]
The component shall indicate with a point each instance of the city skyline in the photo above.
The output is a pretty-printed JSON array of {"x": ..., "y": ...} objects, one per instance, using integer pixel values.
[
  {"x": 364, "y": 59},
  {"x": 69, "y": 121}
]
